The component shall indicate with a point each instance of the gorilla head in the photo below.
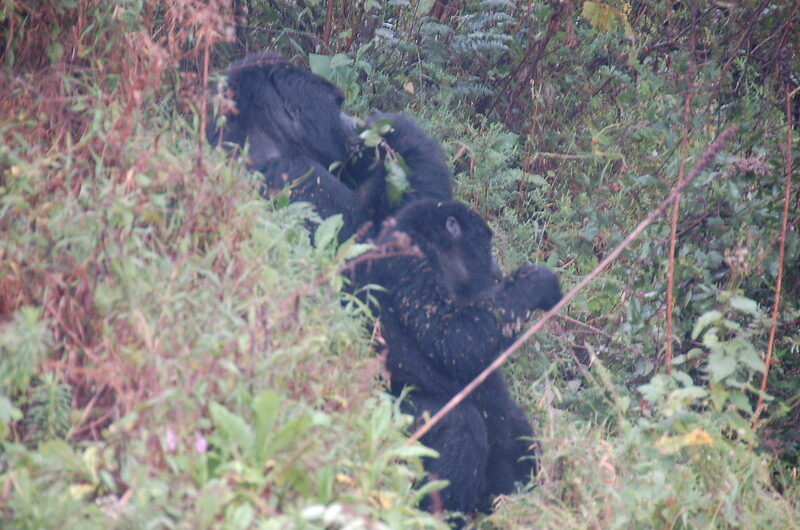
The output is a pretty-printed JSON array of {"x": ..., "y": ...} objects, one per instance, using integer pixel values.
[{"x": 282, "y": 111}]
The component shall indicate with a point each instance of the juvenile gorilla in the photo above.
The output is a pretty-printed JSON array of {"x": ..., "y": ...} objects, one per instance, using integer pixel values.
[
  {"x": 292, "y": 121},
  {"x": 445, "y": 317}
]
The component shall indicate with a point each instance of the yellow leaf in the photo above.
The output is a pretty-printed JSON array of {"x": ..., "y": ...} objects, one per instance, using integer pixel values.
[
  {"x": 698, "y": 437},
  {"x": 341, "y": 478},
  {"x": 384, "y": 501},
  {"x": 79, "y": 491}
]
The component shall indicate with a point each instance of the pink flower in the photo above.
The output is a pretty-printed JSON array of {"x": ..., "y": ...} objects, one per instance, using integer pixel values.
[
  {"x": 171, "y": 440},
  {"x": 200, "y": 443}
]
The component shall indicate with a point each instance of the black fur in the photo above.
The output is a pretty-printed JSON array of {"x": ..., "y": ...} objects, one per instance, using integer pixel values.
[
  {"x": 291, "y": 120},
  {"x": 312, "y": 183},
  {"x": 428, "y": 175},
  {"x": 282, "y": 111},
  {"x": 445, "y": 317}
]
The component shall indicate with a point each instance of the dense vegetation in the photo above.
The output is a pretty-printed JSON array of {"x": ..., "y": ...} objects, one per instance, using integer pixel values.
[{"x": 176, "y": 351}]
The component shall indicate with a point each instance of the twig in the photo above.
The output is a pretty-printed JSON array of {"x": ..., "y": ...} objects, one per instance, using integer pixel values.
[
  {"x": 598, "y": 331},
  {"x": 781, "y": 247},
  {"x": 201, "y": 137},
  {"x": 676, "y": 207},
  {"x": 87, "y": 410},
  {"x": 326, "y": 33},
  {"x": 709, "y": 155},
  {"x": 587, "y": 326},
  {"x": 538, "y": 45},
  {"x": 391, "y": 249}
]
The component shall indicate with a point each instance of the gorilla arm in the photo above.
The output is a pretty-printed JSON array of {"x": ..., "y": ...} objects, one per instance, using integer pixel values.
[{"x": 310, "y": 182}]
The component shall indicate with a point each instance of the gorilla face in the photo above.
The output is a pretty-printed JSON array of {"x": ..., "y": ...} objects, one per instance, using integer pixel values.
[{"x": 459, "y": 240}]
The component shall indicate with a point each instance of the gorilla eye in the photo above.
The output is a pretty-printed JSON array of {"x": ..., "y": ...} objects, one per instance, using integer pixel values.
[{"x": 453, "y": 228}]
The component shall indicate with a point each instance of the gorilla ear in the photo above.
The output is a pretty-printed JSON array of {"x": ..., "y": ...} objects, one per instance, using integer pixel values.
[{"x": 453, "y": 227}]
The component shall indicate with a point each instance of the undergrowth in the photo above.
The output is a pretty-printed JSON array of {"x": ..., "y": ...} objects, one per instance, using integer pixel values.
[{"x": 176, "y": 351}]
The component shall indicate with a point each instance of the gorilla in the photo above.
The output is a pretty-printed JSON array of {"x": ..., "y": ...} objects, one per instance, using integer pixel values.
[
  {"x": 446, "y": 311},
  {"x": 291, "y": 119},
  {"x": 445, "y": 316}
]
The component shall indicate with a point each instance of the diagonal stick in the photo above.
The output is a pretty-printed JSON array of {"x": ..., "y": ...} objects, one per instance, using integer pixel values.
[{"x": 708, "y": 157}]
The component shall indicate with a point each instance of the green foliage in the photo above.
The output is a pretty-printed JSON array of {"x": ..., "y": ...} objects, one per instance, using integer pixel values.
[
  {"x": 24, "y": 343},
  {"x": 177, "y": 351},
  {"x": 727, "y": 366},
  {"x": 605, "y": 17},
  {"x": 683, "y": 460},
  {"x": 260, "y": 402},
  {"x": 49, "y": 414},
  {"x": 397, "y": 171}
]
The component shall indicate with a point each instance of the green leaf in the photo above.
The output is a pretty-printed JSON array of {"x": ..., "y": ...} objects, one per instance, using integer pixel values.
[
  {"x": 397, "y": 182},
  {"x": 605, "y": 18},
  {"x": 687, "y": 396},
  {"x": 749, "y": 356},
  {"x": 320, "y": 65},
  {"x": 326, "y": 232},
  {"x": 705, "y": 320},
  {"x": 424, "y": 7},
  {"x": 668, "y": 445},
  {"x": 339, "y": 60},
  {"x": 537, "y": 180},
  {"x": 240, "y": 516},
  {"x": 58, "y": 454},
  {"x": 373, "y": 136},
  {"x": 741, "y": 402},
  {"x": 292, "y": 433},
  {"x": 326, "y": 480},
  {"x": 406, "y": 452},
  {"x": 720, "y": 366},
  {"x": 730, "y": 324},
  {"x": 711, "y": 339},
  {"x": 8, "y": 412},
  {"x": 429, "y": 487},
  {"x": 233, "y": 426},
  {"x": 209, "y": 503},
  {"x": 350, "y": 250},
  {"x": 683, "y": 378},
  {"x": 744, "y": 305},
  {"x": 740, "y": 425},
  {"x": 624, "y": 403},
  {"x": 657, "y": 388},
  {"x": 719, "y": 395},
  {"x": 265, "y": 407}
]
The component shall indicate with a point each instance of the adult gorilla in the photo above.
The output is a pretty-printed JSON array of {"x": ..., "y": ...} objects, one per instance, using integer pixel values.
[{"x": 292, "y": 123}]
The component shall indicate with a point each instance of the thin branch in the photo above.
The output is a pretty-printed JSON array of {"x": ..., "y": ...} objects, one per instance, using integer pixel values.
[
  {"x": 540, "y": 45},
  {"x": 597, "y": 331},
  {"x": 326, "y": 34},
  {"x": 591, "y": 328},
  {"x": 676, "y": 207},
  {"x": 390, "y": 249},
  {"x": 201, "y": 137},
  {"x": 708, "y": 157},
  {"x": 781, "y": 248}
]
